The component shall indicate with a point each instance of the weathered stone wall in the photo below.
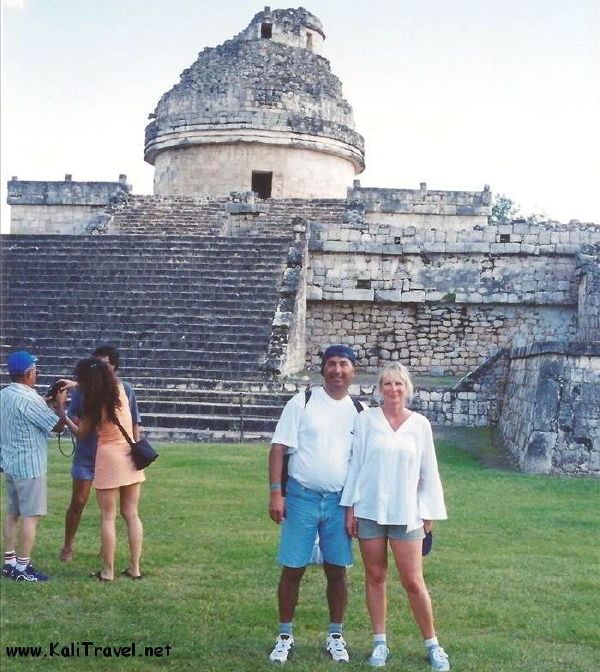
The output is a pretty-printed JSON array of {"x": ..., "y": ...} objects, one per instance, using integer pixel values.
[
  {"x": 429, "y": 338},
  {"x": 217, "y": 169},
  {"x": 472, "y": 277},
  {"x": 550, "y": 420},
  {"x": 61, "y": 207},
  {"x": 59, "y": 219},
  {"x": 588, "y": 272},
  {"x": 421, "y": 276}
]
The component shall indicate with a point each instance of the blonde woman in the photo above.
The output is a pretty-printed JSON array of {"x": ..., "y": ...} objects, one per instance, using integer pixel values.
[{"x": 393, "y": 493}]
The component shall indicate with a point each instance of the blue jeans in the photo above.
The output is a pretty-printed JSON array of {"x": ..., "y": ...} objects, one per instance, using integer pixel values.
[{"x": 309, "y": 512}]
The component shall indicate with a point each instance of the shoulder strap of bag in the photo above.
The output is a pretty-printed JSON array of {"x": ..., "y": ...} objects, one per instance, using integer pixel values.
[
  {"x": 125, "y": 434},
  {"x": 357, "y": 405}
]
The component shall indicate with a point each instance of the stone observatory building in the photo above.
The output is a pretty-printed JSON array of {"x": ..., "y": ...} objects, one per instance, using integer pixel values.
[
  {"x": 262, "y": 112},
  {"x": 259, "y": 248}
]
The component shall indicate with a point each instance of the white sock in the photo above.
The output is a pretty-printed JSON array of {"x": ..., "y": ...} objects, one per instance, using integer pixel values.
[
  {"x": 433, "y": 641},
  {"x": 379, "y": 639},
  {"x": 10, "y": 558},
  {"x": 22, "y": 563}
]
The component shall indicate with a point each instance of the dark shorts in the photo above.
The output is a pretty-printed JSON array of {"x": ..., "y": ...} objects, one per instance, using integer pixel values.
[{"x": 82, "y": 472}]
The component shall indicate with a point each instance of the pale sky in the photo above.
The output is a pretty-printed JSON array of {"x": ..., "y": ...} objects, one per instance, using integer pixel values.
[{"x": 454, "y": 93}]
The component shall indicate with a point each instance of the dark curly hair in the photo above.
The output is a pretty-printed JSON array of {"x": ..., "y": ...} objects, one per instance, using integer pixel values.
[{"x": 99, "y": 390}]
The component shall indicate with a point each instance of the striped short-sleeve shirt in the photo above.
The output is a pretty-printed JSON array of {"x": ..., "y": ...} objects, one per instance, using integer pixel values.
[{"x": 26, "y": 424}]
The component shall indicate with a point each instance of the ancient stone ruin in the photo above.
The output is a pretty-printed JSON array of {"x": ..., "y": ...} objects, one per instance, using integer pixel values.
[{"x": 259, "y": 247}]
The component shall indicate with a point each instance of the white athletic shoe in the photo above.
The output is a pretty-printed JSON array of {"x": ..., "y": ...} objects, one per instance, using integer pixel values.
[
  {"x": 379, "y": 655},
  {"x": 283, "y": 647},
  {"x": 438, "y": 659},
  {"x": 336, "y": 647}
]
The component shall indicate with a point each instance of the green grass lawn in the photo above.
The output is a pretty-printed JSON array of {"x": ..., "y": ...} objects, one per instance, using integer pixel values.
[{"x": 514, "y": 575}]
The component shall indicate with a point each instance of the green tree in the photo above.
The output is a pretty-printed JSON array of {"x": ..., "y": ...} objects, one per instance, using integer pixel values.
[{"x": 505, "y": 210}]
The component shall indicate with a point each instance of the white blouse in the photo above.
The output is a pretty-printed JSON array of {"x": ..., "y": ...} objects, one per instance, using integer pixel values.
[{"x": 393, "y": 476}]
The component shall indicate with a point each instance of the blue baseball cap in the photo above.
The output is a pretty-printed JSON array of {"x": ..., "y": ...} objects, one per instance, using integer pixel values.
[
  {"x": 19, "y": 362},
  {"x": 339, "y": 351}
]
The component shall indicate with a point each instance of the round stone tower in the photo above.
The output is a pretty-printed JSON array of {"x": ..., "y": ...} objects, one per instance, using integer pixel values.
[{"x": 261, "y": 112}]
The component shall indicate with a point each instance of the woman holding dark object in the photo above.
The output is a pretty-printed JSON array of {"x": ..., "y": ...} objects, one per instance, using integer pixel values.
[
  {"x": 106, "y": 410},
  {"x": 393, "y": 493}
]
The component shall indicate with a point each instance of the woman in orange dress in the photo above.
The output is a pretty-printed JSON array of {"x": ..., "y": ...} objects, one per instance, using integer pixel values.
[{"x": 116, "y": 478}]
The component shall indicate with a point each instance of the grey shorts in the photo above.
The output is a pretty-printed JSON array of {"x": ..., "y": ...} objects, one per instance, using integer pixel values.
[
  {"x": 26, "y": 496},
  {"x": 370, "y": 529}
]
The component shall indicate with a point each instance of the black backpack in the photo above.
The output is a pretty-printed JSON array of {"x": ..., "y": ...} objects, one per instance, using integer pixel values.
[{"x": 286, "y": 458}]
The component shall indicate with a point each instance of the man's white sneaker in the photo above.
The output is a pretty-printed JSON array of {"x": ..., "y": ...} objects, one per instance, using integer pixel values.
[
  {"x": 379, "y": 655},
  {"x": 283, "y": 647},
  {"x": 336, "y": 647}
]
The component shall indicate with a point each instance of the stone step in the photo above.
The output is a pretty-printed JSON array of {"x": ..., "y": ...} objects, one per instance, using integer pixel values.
[
  {"x": 182, "y": 327},
  {"x": 133, "y": 315},
  {"x": 46, "y": 343},
  {"x": 217, "y": 283},
  {"x": 183, "y": 435},
  {"x": 208, "y": 422},
  {"x": 132, "y": 302},
  {"x": 124, "y": 241},
  {"x": 230, "y": 410},
  {"x": 204, "y": 290},
  {"x": 231, "y": 397},
  {"x": 167, "y": 365},
  {"x": 194, "y": 258},
  {"x": 97, "y": 328}
]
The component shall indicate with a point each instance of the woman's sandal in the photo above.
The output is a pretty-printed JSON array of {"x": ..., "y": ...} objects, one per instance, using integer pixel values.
[
  {"x": 98, "y": 576},
  {"x": 127, "y": 573}
]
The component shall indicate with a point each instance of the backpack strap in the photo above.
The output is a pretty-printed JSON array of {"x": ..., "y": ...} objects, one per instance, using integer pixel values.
[{"x": 357, "y": 405}]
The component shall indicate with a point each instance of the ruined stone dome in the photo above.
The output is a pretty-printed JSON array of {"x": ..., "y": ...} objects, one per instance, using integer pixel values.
[{"x": 266, "y": 85}]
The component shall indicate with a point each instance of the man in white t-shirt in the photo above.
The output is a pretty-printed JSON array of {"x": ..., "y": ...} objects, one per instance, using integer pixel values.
[{"x": 315, "y": 430}]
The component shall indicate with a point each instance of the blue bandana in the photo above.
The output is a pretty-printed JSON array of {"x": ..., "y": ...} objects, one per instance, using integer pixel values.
[{"x": 339, "y": 351}]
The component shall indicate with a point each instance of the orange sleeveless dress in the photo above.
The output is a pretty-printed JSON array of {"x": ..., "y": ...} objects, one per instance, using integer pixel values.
[{"x": 114, "y": 466}]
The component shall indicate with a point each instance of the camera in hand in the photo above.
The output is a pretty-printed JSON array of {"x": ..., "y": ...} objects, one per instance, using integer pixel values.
[{"x": 54, "y": 389}]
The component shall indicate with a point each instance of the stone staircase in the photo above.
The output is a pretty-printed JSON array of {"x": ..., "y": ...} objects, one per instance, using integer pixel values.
[
  {"x": 182, "y": 215},
  {"x": 191, "y": 315}
]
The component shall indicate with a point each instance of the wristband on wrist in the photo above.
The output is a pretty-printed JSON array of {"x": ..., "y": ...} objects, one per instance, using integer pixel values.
[{"x": 274, "y": 486}]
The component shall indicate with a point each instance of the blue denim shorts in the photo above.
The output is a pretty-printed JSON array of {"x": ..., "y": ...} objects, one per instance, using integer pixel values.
[
  {"x": 82, "y": 472},
  {"x": 371, "y": 529},
  {"x": 309, "y": 512}
]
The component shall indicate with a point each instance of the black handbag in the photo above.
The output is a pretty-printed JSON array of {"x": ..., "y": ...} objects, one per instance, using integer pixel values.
[{"x": 142, "y": 453}]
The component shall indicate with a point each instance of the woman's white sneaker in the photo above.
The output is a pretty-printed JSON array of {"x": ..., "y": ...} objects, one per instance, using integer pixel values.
[
  {"x": 379, "y": 655},
  {"x": 283, "y": 647},
  {"x": 438, "y": 658}
]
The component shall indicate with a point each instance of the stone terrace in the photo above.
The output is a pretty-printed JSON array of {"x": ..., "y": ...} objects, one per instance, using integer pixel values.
[{"x": 191, "y": 315}]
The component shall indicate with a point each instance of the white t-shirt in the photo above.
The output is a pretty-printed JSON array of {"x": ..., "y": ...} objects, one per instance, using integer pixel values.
[
  {"x": 319, "y": 437},
  {"x": 393, "y": 476}
]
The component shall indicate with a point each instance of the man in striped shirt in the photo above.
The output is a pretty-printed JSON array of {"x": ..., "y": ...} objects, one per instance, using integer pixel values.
[{"x": 27, "y": 421}]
